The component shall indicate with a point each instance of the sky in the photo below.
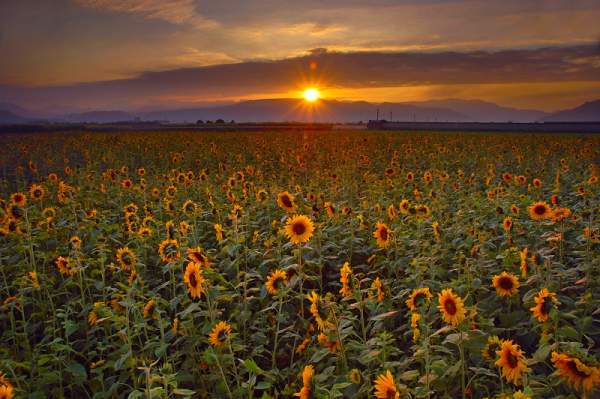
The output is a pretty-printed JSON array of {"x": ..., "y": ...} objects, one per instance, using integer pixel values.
[{"x": 135, "y": 54}]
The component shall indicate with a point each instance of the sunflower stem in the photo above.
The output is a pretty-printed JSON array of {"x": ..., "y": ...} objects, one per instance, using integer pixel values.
[
  {"x": 462, "y": 364},
  {"x": 274, "y": 354}
]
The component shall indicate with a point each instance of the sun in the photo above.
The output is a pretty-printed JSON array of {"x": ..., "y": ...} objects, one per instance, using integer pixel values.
[{"x": 311, "y": 94}]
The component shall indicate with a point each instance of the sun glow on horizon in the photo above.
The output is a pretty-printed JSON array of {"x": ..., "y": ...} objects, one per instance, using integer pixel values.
[{"x": 311, "y": 94}]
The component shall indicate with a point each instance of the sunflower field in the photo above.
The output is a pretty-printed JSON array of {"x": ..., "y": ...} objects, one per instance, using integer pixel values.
[{"x": 339, "y": 264}]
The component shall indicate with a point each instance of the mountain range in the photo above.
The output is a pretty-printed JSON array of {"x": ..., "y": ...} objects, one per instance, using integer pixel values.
[{"x": 288, "y": 110}]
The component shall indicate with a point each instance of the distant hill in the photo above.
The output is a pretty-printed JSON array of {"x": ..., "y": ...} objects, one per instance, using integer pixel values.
[
  {"x": 586, "y": 112},
  {"x": 288, "y": 110},
  {"x": 296, "y": 110},
  {"x": 100, "y": 117},
  {"x": 483, "y": 111},
  {"x": 8, "y": 118}
]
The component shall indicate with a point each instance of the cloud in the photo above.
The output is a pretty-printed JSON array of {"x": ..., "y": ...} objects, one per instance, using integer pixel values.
[
  {"x": 334, "y": 70},
  {"x": 179, "y": 12}
]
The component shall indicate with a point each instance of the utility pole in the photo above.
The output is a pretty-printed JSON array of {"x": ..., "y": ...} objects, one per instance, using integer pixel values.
[
  {"x": 391, "y": 116},
  {"x": 377, "y": 113}
]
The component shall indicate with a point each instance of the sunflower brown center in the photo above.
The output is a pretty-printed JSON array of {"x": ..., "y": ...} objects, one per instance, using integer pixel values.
[
  {"x": 298, "y": 228},
  {"x": 512, "y": 360},
  {"x": 539, "y": 209},
  {"x": 572, "y": 366},
  {"x": 193, "y": 281},
  {"x": 505, "y": 283},
  {"x": 383, "y": 233},
  {"x": 450, "y": 307},
  {"x": 546, "y": 306},
  {"x": 286, "y": 201}
]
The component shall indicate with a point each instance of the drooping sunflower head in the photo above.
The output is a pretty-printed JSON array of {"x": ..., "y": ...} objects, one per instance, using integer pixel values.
[
  {"x": 286, "y": 202},
  {"x": 544, "y": 303},
  {"x": 539, "y": 211},
  {"x": 75, "y": 242},
  {"x": 382, "y": 234},
  {"x": 194, "y": 279},
  {"x": 451, "y": 306},
  {"x": 560, "y": 214},
  {"x": 318, "y": 310},
  {"x": 512, "y": 362},
  {"x": 275, "y": 281},
  {"x": 385, "y": 387},
  {"x": 418, "y": 298},
  {"x": 506, "y": 284},
  {"x": 575, "y": 372},
  {"x": 219, "y": 334},
  {"x": 299, "y": 229},
  {"x": 198, "y": 256}
]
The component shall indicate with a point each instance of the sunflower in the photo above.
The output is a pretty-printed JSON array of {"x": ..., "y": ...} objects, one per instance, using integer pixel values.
[
  {"x": 523, "y": 255},
  {"x": 64, "y": 266},
  {"x": 168, "y": 250},
  {"x": 37, "y": 192},
  {"x": 354, "y": 376},
  {"x": 149, "y": 309},
  {"x": 299, "y": 229},
  {"x": 418, "y": 297},
  {"x": 286, "y": 202},
  {"x": 385, "y": 387},
  {"x": 307, "y": 376},
  {"x": 539, "y": 211},
  {"x": 491, "y": 347},
  {"x": 198, "y": 256},
  {"x": 560, "y": 214},
  {"x": 377, "y": 285},
  {"x": 507, "y": 224},
  {"x": 318, "y": 310},
  {"x": 275, "y": 281},
  {"x": 189, "y": 207},
  {"x": 437, "y": 231},
  {"x": 6, "y": 388},
  {"x": 126, "y": 258},
  {"x": 512, "y": 362},
  {"x": 218, "y": 231},
  {"x": 575, "y": 372},
  {"x": 18, "y": 199},
  {"x": 329, "y": 209},
  {"x": 544, "y": 302},
  {"x": 391, "y": 212},
  {"x": 506, "y": 284},
  {"x": 75, "y": 242},
  {"x": 34, "y": 280},
  {"x": 514, "y": 209},
  {"x": 382, "y": 234},
  {"x": 345, "y": 274},
  {"x": 414, "y": 324},
  {"x": 451, "y": 306},
  {"x": 404, "y": 205},
  {"x": 193, "y": 278},
  {"x": 219, "y": 334}
]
